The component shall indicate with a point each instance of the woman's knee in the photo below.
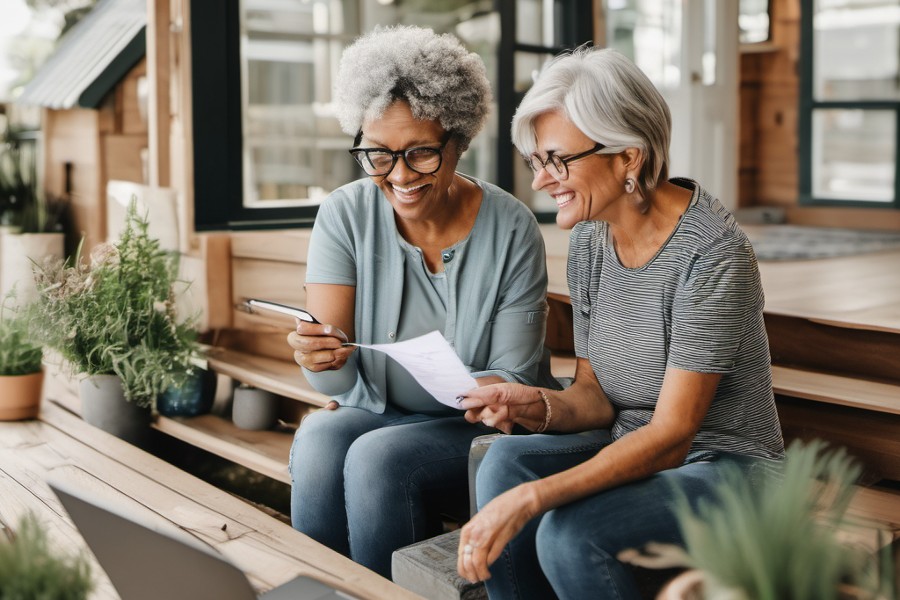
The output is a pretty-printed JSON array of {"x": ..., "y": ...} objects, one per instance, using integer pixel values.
[
  {"x": 376, "y": 458},
  {"x": 501, "y": 468},
  {"x": 322, "y": 438}
]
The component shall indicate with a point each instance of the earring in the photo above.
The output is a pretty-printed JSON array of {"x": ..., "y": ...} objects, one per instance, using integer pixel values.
[{"x": 629, "y": 186}]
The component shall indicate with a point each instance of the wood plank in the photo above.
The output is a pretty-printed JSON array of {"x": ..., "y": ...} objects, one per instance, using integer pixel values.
[
  {"x": 277, "y": 376},
  {"x": 285, "y": 246},
  {"x": 265, "y": 452},
  {"x": 870, "y": 436},
  {"x": 268, "y": 279},
  {"x": 269, "y": 550},
  {"x": 834, "y": 389}
]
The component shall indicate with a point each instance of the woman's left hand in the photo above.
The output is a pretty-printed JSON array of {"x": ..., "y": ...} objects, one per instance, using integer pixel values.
[
  {"x": 483, "y": 538},
  {"x": 502, "y": 405}
]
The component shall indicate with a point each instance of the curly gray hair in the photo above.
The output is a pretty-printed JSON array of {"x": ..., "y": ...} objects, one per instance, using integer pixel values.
[{"x": 435, "y": 74}]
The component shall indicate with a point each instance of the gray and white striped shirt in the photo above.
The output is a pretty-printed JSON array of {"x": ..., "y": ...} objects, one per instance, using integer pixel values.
[{"x": 697, "y": 305}]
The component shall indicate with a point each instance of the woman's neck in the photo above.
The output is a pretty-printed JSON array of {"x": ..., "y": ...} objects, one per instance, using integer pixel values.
[{"x": 638, "y": 232}]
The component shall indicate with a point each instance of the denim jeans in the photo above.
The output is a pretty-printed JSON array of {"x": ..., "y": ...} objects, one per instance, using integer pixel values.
[
  {"x": 570, "y": 552},
  {"x": 361, "y": 481}
]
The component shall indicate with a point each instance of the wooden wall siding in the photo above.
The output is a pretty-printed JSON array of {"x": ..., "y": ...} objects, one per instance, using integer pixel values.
[
  {"x": 776, "y": 177},
  {"x": 73, "y": 137},
  {"x": 748, "y": 133},
  {"x": 884, "y": 219}
]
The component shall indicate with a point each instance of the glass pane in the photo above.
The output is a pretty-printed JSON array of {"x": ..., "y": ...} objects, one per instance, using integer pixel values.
[
  {"x": 753, "y": 21},
  {"x": 854, "y": 154},
  {"x": 856, "y": 50},
  {"x": 649, "y": 33},
  {"x": 294, "y": 150},
  {"x": 527, "y": 67},
  {"x": 552, "y": 23}
]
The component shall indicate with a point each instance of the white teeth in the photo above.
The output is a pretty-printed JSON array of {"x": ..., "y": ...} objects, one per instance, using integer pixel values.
[
  {"x": 564, "y": 198},
  {"x": 407, "y": 191}
]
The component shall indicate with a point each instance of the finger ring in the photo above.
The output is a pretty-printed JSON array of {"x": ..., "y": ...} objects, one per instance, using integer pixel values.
[{"x": 468, "y": 549}]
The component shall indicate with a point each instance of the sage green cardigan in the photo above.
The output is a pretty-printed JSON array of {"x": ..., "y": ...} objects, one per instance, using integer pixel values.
[{"x": 497, "y": 283}]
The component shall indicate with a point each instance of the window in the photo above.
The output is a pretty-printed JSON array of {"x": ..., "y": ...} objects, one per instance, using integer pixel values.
[
  {"x": 268, "y": 147},
  {"x": 850, "y": 100}
]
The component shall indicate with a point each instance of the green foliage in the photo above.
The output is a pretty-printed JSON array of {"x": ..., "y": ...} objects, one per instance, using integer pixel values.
[
  {"x": 19, "y": 355},
  {"x": 777, "y": 538},
  {"x": 116, "y": 314},
  {"x": 22, "y": 206},
  {"x": 30, "y": 571}
]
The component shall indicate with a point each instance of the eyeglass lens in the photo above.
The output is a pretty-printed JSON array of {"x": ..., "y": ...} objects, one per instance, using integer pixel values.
[
  {"x": 381, "y": 162},
  {"x": 554, "y": 165}
]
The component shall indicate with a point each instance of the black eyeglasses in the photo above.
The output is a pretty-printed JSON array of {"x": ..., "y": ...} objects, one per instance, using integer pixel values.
[
  {"x": 558, "y": 166},
  {"x": 377, "y": 162}
]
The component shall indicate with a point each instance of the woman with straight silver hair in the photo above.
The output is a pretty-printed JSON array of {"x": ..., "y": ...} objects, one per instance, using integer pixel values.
[
  {"x": 412, "y": 248},
  {"x": 673, "y": 383}
]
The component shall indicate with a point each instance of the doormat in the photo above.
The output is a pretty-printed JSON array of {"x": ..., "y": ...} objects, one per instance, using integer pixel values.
[{"x": 794, "y": 242}]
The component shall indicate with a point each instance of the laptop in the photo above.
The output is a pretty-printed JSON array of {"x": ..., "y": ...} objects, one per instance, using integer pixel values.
[{"x": 150, "y": 562}]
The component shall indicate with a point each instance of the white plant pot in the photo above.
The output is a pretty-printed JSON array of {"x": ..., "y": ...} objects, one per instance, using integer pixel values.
[{"x": 18, "y": 254}]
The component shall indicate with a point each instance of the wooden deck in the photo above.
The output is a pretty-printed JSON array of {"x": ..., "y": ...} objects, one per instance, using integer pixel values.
[
  {"x": 61, "y": 444},
  {"x": 853, "y": 292}
]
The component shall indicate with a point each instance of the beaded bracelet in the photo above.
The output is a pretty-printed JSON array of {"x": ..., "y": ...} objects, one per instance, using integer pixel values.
[{"x": 547, "y": 416}]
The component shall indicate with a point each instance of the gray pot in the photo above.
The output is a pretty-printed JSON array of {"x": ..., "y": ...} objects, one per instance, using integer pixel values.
[
  {"x": 254, "y": 408},
  {"x": 103, "y": 405}
]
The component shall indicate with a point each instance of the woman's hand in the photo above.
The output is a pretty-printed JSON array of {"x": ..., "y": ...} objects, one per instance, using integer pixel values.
[
  {"x": 504, "y": 404},
  {"x": 319, "y": 347},
  {"x": 483, "y": 538}
]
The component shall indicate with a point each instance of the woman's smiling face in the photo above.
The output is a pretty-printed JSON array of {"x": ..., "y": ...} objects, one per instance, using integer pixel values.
[
  {"x": 594, "y": 182},
  {"x": 414, "y": 196}
]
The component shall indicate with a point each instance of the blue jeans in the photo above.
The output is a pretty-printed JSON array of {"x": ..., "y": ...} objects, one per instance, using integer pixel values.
[
  {"x": 570, "y": 552},
  {"x": 361, "y": 481}
]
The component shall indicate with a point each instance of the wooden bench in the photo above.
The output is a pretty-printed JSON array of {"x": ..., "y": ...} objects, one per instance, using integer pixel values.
[{"x": 61, "y": 444}]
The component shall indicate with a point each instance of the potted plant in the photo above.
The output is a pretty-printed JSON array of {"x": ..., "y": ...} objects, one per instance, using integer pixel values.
[
  {"x": 114, "y": 321},
  {"x": 781, "y": 534},
  {"x": 29, "y": 570},
  {"x": 31, "y": 223},
  {"x": 21, "y": 372}
]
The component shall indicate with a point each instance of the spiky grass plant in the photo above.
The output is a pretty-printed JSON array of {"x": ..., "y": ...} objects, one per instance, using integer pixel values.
[
  {"x": 29, "y": 570},
  {"x": 19, "y": 355},
  {"x": 777, "y": 536},
  {"x": 117, "y": 316}
]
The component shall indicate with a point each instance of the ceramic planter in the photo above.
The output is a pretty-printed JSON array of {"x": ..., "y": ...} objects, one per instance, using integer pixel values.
[
  {"x": 20, "y": 396},
  {"x": 103, "y": 405},
  {"x": 195, "y": 398},
  {"x": 18, "y": 253}
]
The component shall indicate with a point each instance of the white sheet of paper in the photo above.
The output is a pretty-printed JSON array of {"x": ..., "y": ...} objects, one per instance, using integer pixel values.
[{"x": 433, "y": 363}]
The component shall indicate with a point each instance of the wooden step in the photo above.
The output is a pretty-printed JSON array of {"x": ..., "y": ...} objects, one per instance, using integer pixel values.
[
  {"x": 270, "y": 374},
  {"x": 265, "y": 452},
  {"x": 836, "y": 389}
]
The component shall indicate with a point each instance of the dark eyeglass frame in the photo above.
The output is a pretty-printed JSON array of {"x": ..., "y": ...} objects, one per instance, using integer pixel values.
[
  {"x": 360, "y": 154},
  {"x": 560, "y": 164}
]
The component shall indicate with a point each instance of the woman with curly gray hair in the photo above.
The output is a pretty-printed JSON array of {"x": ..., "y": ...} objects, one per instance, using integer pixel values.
[{"x": 412, "y": 248}]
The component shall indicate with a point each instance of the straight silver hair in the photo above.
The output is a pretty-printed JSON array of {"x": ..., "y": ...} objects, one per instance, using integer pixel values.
[{"x": 609, "y": 99}]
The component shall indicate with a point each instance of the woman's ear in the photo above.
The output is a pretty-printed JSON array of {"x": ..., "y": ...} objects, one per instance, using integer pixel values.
[{"x": 633, "y": 160}]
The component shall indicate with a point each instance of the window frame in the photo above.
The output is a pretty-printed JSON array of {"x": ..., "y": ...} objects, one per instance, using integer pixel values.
[{"x": 807, "y": 107}]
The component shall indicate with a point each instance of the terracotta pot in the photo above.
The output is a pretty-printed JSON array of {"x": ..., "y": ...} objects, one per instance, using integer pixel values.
[{"x": 20, "y": 396}]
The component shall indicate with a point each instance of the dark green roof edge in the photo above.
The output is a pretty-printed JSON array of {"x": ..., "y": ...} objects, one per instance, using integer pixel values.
[{"x": 131, "y": 55}]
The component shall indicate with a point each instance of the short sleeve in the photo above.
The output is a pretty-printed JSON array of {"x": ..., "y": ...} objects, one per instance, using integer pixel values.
[
  {"x": 721, "y": 294},
  {"x": 583, "y": 276},
  {"x": 331, "y": 257}
]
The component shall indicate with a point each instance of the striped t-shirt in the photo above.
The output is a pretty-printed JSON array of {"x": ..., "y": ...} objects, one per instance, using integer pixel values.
[{"x": 697, "y": 305}]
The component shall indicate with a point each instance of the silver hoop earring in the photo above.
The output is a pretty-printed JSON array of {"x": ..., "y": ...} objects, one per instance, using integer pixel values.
[{"x": 629, "y": 186}]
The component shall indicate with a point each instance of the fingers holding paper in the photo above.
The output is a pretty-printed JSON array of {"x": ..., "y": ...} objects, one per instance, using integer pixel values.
[
  {"x": 319, "y": 347},
  {"x": 502, "y": 405}
]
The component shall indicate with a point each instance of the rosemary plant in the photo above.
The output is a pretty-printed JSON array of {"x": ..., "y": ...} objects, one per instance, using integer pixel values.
[
  {"x": 778, "y": 538},
  {"x": 116, "y": 314},
  {"x": 29, "y": 570}
]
